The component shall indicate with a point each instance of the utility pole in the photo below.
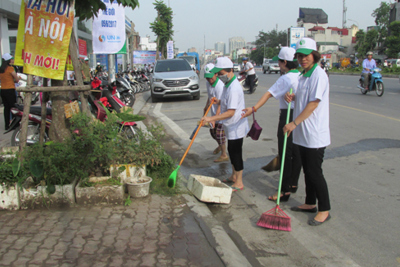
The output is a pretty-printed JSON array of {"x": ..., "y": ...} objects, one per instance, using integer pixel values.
[{"x": 344, "y": 15}]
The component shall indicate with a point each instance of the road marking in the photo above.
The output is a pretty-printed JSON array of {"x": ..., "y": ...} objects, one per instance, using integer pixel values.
[
  {"x": 376, "y": 114},
  {"x": 178, "y": 130}
]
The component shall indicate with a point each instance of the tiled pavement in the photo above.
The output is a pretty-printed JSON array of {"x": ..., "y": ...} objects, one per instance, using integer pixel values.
[{"x": 154, "y": 231}]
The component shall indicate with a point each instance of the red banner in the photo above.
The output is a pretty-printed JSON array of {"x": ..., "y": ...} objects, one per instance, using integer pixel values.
[{"x": 82, "y": 48}]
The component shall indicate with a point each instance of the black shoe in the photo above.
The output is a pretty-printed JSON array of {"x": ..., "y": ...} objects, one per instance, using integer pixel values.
[
  {"x": 304, "y": 210},
  {"x": 316, "y": 223}
]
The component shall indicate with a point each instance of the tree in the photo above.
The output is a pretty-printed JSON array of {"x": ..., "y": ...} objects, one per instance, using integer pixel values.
[
  {"x": 268, "y": 44},
  {"x": 381, "y": 15},
  {"x": 162, "y": 26},
  {"x": 83, "y": 10},
  {"x": 366, "y": 41},
  {"x": 89, "y": 8},
  {"x": 393, "y": 41}
]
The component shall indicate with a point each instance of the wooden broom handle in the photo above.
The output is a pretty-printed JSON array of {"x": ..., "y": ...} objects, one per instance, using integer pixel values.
[{"x": 198, "y": 129}]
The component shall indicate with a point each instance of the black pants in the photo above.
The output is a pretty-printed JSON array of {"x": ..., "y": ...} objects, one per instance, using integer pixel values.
[
  {"x": 236, "y": 153},
  {"x": 292, "y": 167},
  {"x": 250, "y": 81},
  {"x": 9, "y": 99},
  {"x": 316, "y": 186}
]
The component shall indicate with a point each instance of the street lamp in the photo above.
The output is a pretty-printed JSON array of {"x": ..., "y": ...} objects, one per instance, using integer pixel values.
[{"x": 355, "y": 22}]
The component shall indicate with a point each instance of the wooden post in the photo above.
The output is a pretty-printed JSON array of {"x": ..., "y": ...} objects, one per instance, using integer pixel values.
[
  {"x": 25, "y": 117},
  {"x": 73, "y": 50},
  {"x": 45, "y": 98}
]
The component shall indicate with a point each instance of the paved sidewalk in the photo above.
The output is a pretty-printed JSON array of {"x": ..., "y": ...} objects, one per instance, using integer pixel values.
[{"x": 154, "y": 231}]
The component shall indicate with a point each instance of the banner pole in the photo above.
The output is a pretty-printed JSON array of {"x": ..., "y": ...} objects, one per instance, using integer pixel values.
[{"x": 111, "y": 68}]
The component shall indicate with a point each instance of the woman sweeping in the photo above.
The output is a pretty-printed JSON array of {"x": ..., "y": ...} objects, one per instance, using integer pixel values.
[
  {"x": 292, "y": 167},
  {"x": 310, "y": 128},
  {"x": 236, "y": 128}
]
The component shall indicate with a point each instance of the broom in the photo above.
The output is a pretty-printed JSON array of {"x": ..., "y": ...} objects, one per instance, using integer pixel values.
[
  {"x": 172, "y": 178},
  {"x": 276, "y": 218}
]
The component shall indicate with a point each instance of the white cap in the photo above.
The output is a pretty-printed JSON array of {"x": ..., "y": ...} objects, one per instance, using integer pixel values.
[
  {"x": 7, "y": 56},
  {"x": 86, "y": 58},
  {"x": 98, "y": 63},
  {"x": 286, "y": 53},
  {"x": 306, "y": 46},
  {"x": 222, "y": 63},
  {"x": 207, "y": 69}
]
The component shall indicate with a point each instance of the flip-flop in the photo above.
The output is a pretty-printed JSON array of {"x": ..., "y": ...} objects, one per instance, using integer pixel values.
[
  {"x": 217, "y": 150},
  {"x": 227, "y": 181},
  {"x": 234, "y": 188},
  {"x": 221, "y": 159}
]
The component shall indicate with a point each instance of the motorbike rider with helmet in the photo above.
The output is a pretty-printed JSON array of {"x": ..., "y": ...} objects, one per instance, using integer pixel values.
[
  {"x": 368, "y": 65},
  {"x": 250, "y": 72}
]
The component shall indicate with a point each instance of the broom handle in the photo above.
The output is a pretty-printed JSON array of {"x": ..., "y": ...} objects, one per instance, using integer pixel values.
[
  {"x": 198, "y": 129},
  {"x": 283, "y": 154}
]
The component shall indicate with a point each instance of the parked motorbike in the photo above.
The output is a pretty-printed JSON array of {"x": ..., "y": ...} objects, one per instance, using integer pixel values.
[
  {"x": 33, "y": 126},
  {"x": 124, "y": 91},
  {"x": 242, "y": 80},
  {"x": 108, "y": 98},
  {"x": 375, "y": 84}
]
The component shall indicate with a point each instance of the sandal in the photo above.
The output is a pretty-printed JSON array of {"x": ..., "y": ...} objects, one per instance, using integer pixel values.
[
  {"x": 217, "y": 150},
  {"x": 284, "y": 197},
  {"x": 227, "y": 180},
  {"x": 221, "y": 159},
  {"x": 293, "y": 189}
]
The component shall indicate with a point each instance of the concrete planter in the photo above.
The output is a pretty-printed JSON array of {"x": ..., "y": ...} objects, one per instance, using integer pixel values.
[
  {"x": 107, "y": 194},
  {"x": 132, "y": 172},
  {"x": 64, "y": 196},
  {"x": 9, "y": 151},
  {"x": 209, "y": 189},
  {"x": 9, "y": 197}
]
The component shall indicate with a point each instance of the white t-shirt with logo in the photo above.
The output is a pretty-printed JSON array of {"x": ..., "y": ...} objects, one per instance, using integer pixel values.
[
  {"x": 314, "y": 131},
  {"x": 233, "y": 98},
  {"x": 248, "y": 66},
  {"x": 215, "y": 92},
  {"x": 283, "y": 85}
]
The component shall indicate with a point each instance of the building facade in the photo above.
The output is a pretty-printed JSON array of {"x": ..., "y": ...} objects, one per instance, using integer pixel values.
[
  {"x": 221, "y": 47},
  {"x": 235, "y": 43}
]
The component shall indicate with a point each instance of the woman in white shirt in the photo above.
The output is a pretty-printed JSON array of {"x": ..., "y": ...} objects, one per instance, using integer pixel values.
[{"x": 310, "y": 128}]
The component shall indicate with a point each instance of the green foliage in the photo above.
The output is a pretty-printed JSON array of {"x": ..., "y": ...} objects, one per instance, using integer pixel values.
[
  {"x": 88, "y": 8},
  {"x": 382, "y": 16},
  {"x": 128, "y": 201},
  {"x": 267, "y": 43},
  {"x": 162, "y": 26},
  {"x": 366, "y": 41},
  {"x": 8, "y": 174},
  {"x": 393, "y": 41}
]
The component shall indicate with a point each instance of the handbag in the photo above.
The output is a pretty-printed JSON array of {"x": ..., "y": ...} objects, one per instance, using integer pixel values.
[{"x": 255, "y": 129}]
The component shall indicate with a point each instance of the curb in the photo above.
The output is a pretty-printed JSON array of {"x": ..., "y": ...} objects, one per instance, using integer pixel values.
[{"x": 214, "y": 232}]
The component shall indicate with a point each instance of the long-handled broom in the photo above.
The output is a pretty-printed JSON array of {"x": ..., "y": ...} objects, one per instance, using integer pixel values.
[
  {"x": 172, "y": 178},
  {"x": 276, "y": 218}
]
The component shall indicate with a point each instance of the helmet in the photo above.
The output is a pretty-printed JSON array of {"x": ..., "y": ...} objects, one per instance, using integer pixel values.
[
  {"x": 98, "y": 63},
  {"x": 369, "y": 53},
  {"x": 245, "y": 59}
]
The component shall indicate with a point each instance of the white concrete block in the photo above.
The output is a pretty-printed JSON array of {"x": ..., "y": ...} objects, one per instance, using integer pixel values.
[{"x": 209, "y": 189}]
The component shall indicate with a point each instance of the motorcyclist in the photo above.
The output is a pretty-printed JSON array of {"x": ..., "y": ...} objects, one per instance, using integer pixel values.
[
  {"x": 250, "y": 72},
  {"x": 368, "y": 65}
]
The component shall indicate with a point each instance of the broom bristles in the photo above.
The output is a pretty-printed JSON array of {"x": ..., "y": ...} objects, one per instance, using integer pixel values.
[{"x": 275, "y": 219}]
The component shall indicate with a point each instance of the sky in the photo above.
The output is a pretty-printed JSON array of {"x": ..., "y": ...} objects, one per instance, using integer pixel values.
[{"x": 202, "y": 23}]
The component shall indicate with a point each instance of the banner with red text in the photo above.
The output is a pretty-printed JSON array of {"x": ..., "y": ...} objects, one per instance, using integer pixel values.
[{"x": 47, "y": 31}]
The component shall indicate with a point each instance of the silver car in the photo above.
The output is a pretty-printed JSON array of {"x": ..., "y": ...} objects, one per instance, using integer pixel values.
[{"x": 174, "y": 78}]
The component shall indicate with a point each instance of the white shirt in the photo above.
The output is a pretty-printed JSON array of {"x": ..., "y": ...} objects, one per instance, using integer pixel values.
[
  {"x": 248, "y": 66},
  {"x": 283, "y": 85},
  {"x": 215, "y": 90},
  {"x": 233, "y": 98},
  {"x": 314, "y": 131}
]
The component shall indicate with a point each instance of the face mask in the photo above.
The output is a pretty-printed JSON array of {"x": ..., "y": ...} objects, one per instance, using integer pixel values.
[{"x": 224, "y": 78}]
